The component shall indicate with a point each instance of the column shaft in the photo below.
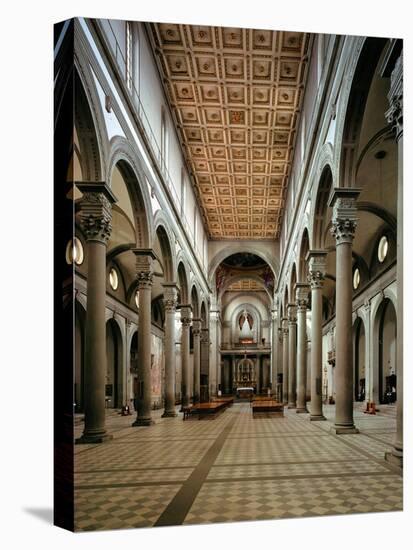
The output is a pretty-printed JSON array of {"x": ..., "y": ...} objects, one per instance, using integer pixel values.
[
  {"x": 317, "y": 260},
  {"x": 285, "y": 361},
  {"x": 316, "y": 355},
  {"x": 344, "y": 225},
  {"x": 274, "y": 352},
  {"x": 144, "y": 275},
  {"x": 95, "y": 218},
  {"x": 186, "y": 322},
  {"x": 170, "y": 295},
  {"x": 279, "y": 362},
  {"x": 144, "y": 417},
  {"x": 344, "y": 351},
  {"x": 95, "y": 352},
  {"x": 292, "y": 356},
  {"x": 196, "y": 324},
  {"x": 214, "y": 354},
  {"x": 301, "y": 296},
  {"x": 205, "y": 358}
]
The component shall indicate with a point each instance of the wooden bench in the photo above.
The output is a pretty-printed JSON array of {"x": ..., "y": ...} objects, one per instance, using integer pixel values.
[
  {"x": 229, "y": 401},
  {"x": 209, "y": 410},
  {"x": 265, "y": 407},
  {"x": 259, "y": 398}
]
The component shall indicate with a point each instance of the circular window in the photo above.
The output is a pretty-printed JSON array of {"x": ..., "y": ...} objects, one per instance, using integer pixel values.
[
  {"x": 74, "y": 251},
  {"x": 356, "y": 278},
  {"x": 383, "y": 249},
  {"x": 137, "y": 298},
  {"x": 113, "y": 278}
]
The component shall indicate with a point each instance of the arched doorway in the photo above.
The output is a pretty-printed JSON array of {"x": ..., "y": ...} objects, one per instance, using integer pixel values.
[
  {"x": 387, "y": 352},
  {"x": 359, "y": 339},
  {"x": 114, "y": 390}
]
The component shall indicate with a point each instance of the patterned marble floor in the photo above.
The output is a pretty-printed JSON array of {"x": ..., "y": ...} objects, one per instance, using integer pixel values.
[{"x": 234, "y": 468}]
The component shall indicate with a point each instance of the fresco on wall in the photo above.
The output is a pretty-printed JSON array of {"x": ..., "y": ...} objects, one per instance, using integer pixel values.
[{"x": 156, "y": 367}]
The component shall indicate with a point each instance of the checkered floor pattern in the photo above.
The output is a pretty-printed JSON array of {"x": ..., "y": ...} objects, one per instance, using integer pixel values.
[{"x": 266, "y": 468}]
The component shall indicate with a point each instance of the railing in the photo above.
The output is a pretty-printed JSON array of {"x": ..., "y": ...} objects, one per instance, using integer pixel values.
[
  {"x": 238, "y": 346},
  {"x": 150, "y": 137}
]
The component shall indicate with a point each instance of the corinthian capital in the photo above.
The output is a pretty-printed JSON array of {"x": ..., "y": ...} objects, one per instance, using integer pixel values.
[
  {"x": 301, "y": 296},
  {"x": 316, "y": 268},
  {"x": 144, "y": 267},
  {"x": 96, "y": 210},
  {"x": 292, "y": 314},
  {"x": 196, "y": 326},
  {"x": 344, "y": 219},
  {"x": 186, "y": 318},
  {"x": 394, "y": 114},
  {"x": 170, "y": 295}
]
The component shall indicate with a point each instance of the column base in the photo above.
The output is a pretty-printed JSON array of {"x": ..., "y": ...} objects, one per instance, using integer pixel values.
[
  {"x": 301, "y": 410},
  {"x": 343, "y": 430},
  {"x": 291, "y": 406},
  {"x": 394, "y": 458},
  {"x": 86, "y": 439},
  {"x": 169, "y": 414},
  {"x": 317, "y": 417},
  {"x": 143, "y": 422}
]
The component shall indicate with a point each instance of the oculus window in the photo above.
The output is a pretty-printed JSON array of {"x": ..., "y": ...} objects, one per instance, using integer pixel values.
[
  {"x": 383, "y": 249},
  {"x": 113, "y": 278},
  {"x": 74, "y": 252},
  {"x": 356, "y": 278}
]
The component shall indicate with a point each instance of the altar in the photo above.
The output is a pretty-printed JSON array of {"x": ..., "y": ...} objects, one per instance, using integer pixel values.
[
  {"x": 245, "y": 392},
  {"x": 245, "y": 375}
]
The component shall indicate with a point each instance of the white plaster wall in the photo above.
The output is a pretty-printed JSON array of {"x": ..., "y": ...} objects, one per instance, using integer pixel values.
[{"x": 147, "y": 83}]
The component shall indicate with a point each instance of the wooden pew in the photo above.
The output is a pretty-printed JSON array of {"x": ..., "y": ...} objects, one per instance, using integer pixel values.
[
  {"x": 266, "y": 407},
  {"x": 210, "y": 410},
  {"x": 228, "y": 400}
]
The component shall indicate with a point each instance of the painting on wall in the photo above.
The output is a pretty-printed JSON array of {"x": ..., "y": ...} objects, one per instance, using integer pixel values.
[{"x": 156, "y": 367}]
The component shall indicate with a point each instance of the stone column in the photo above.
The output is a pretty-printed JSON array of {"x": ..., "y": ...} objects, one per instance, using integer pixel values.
[
  {"x": 344, "y": 223},
  {"x": 170, "y": 299},
  {"x": 292, "y": 355},
  {"x": 368, "y": 362},
  {"x": 214, "y": 354},
  {"x": 144, "y": 275},
  {"x": 395, "y": 117},
  {"x": 317, "y": 267},
  {"x": 231, "y": 373},
  {"x": 301, "y": 294},
  {"x": 274, "y": 351},
  {"x": 259, "y": 374},
  {"x": 284, "y": 321},
  {"x": 196, "y": 331},
  {"x": 205, "y": 353},
  {"x": 280, "y": 362},
  {"x": 95, "y": 219},
  {"x": 186, "y": 323}
]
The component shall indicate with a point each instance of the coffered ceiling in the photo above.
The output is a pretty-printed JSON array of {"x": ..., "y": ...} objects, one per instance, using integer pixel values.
[{"x": 235, "y": 94}]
